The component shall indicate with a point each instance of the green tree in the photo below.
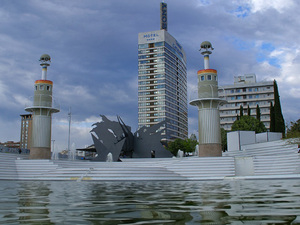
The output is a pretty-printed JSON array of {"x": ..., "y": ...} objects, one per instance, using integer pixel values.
[
  {"x": 293, "y": 130},
  {"x": 272, "y": 118},
  {"x": 187, "y": 145},
  {"x": 248, "y": 123},
  {"x": 258, "y": 112},
  {"x": 175, "y": 145},
  {"x": 249, "y": 111},
  {"x": 241, "y": 111},
  {"x": 278, "y": 117},
  {"x": 224, "y": 139}
]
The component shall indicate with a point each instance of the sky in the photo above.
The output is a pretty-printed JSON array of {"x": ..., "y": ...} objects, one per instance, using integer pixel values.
[{"x": 94, "y": 64}]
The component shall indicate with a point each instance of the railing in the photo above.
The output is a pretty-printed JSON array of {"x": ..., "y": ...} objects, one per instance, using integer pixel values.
[
  {"x": 194, "y": 95},
  {"x": 39, "y": 103}
]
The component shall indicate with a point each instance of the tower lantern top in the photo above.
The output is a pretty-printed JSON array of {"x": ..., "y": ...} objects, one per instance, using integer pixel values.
[
  {"x": 206, "y": 45},
  {"x": 45, "y": 59}
]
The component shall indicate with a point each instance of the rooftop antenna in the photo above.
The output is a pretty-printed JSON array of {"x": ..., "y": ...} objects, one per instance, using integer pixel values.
[{"x": 69, "y": 134}]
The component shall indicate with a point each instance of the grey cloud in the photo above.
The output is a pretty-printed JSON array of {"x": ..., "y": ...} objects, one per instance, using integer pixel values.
[{"x": 93, "y": 45}]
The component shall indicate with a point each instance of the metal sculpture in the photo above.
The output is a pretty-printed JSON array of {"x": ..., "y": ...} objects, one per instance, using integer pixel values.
[{"x": 117, "y": 138}]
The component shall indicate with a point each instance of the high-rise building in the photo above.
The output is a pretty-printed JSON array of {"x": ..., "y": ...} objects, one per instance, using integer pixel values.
[
  {"x": 246, "y": 92},
  {"x": 162, "y": 81},
  {"x": 26, "y": 131}
]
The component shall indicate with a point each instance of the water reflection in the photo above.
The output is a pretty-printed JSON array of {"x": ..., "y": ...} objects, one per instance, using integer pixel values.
[
  {"x": 213, "y": 202},
  {"x": 33, "y": 201}
]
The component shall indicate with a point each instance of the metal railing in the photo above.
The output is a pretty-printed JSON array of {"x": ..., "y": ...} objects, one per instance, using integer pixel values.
[{"x": 40, "y": 103}]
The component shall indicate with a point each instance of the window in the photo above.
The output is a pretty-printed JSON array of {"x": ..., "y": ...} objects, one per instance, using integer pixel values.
[
  {"x": 41, "y": 87},
  {"x": 158, "y": 44},
  {"x": 143, "y": 46},
  {"x": 202, "y": 78},
  {"x": 250, "y": 89},
  {"x": 36, "y": 87},
  {"x": 208, "y": 77},
  {"x": 48, "y": 88}
]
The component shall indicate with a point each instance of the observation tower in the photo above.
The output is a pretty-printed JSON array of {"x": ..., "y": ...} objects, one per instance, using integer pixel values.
[
  {"x": 42, "y": 110},
  {"x": 208, "y": 112}
]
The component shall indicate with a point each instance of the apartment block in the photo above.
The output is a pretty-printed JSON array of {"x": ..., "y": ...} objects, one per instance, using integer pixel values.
[{"x": 246, "y": 91}]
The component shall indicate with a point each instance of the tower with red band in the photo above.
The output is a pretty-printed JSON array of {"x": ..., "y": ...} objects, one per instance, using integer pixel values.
[
  {"x": 208, "y": 102},
  {"x": 42, "y": 108}
]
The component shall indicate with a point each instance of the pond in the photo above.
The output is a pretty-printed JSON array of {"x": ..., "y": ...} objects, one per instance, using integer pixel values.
[{"x": 205, "y": 202}]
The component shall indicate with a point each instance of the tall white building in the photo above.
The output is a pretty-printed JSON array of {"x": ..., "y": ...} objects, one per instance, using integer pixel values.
[
  {"x": 246, "y": 91},
  {"x": 162, "y": 81}
]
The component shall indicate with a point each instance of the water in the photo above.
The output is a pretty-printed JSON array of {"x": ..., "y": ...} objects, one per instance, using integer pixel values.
[
  {"x": 179, "y": 154},
  {"x": 213, "y": 202},
  {"x": 109, "y": 157}
]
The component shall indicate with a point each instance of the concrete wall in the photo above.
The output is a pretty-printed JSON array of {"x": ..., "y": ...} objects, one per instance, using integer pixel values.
[
  {"x": 41, "y": 131},
  {"x": 210, "y": 150},
  {"x": 244, "y": 166},
  {"x": 236, "y": 139},
  {"x": 268, "y": 136},
  {"x": 209, "y": 126}
]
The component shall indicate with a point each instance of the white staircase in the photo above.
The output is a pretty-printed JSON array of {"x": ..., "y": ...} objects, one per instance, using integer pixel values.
[
  {"x": 271, "y": 158},
  {"x": 204, "y": 168},
  {"x": 8, "y": 169},
  {"x": 84, "y": 170},
  {"x": 34, "y": 169},
  {"x": 188, "y": 168}
]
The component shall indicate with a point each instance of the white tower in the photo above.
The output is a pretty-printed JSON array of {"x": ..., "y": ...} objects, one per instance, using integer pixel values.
[
  {"x": 208, "y": 112},
  {"x": 42, "y": 110}
]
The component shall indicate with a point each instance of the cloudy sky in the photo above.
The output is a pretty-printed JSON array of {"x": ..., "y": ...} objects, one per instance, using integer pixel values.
[{"x": 93, "y": 46}]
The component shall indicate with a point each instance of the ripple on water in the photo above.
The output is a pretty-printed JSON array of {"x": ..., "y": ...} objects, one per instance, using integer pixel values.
[{"x": 213, "y": 202}]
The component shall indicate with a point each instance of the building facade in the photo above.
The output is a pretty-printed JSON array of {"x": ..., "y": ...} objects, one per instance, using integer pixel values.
[
  {"x": 162, "y": 83},
  {"x": 11, "y": 144},
  {"x": 26, "y": 131},
  {"x": 246, "y": 91}
]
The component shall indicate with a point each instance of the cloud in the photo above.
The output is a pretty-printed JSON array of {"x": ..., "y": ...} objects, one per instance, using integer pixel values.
[
  {"x": 93, "y": 45},
  {"x": 10, "y": 129},
  {"x": 279, "y": 5}
]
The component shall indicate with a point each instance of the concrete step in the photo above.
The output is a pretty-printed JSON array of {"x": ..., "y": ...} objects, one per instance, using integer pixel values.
[
  {"x": 269, "y": 159},
  {"x": 261, "y": 152}
]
